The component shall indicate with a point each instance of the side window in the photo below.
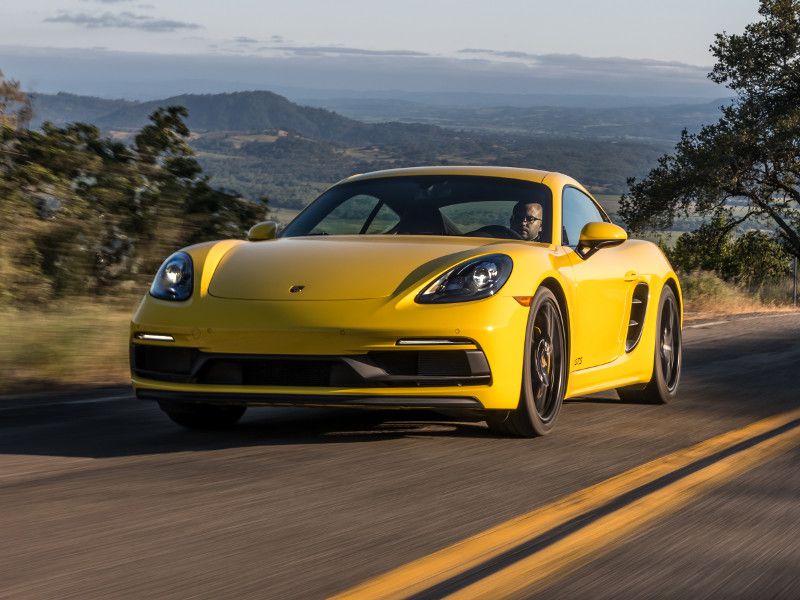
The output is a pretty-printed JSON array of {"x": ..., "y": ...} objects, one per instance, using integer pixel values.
[
  {"x": 348, "y": 218},
  {"x": 383, "y": 221},
  {"x": 577, "y": 209}
]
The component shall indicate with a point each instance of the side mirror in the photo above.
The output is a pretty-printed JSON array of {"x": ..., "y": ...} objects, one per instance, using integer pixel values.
[
  {"x": 599, "y": 235},
  {"x": 266, "y": 230}
]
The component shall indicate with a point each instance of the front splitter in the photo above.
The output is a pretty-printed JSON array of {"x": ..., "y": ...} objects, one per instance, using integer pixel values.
[{"x": 316, "y": 401}]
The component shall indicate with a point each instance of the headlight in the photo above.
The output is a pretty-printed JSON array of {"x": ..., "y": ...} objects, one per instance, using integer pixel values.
[
  {"x": 175, "y": 278},
  {"x": 475, "y": 279}
]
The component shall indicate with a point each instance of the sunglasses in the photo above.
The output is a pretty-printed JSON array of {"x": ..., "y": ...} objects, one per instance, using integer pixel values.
[{"x": 528, "y": 219}]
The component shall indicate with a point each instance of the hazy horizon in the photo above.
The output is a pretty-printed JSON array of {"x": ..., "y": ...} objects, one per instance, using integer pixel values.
[
  {"x": 144, "y": 76},
  {"x": 145, "y": 50}
]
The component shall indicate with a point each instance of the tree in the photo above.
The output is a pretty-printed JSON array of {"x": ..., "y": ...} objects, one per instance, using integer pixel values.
[
  {"x": 79, "y": 212},
  {"x": 747, "y": 165},
  {"x": 751, "y": 260},
  {"x": 15, "y": 106}
]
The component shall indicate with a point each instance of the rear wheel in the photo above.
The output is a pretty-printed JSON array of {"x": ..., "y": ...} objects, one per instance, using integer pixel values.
[
  {"x": 544, "y": 373},
  {"x": 663, "y": 386},
  {"x": 202, "y": 416}
]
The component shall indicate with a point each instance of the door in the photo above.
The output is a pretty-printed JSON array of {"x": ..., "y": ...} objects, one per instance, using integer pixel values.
[{"x": 601, "y": 290}]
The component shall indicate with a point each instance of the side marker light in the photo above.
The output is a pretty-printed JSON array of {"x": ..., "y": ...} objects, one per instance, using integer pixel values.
[{"x": 154, "y": 337}]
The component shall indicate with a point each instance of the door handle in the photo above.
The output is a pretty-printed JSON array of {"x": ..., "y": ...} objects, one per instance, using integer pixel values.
[{"x": 630, "y": 276}]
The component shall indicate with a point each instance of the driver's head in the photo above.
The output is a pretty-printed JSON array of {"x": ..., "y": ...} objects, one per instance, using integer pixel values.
[{"x": 526, "y": 220}]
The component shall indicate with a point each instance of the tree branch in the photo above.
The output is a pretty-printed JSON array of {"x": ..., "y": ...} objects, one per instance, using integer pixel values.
[{"x": 787, "y": 229}]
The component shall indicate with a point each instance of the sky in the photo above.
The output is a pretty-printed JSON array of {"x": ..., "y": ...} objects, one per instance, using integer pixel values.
[
  {"x": 247, "y": 42},
  {"x": 678, "y": 30}
]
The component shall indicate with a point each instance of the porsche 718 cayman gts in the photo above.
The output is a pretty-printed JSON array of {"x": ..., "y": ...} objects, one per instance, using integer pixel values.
[{"x": 493, "y": 291}]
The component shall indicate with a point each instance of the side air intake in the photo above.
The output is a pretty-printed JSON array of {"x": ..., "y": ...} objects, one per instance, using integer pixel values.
[{"x": 636, "y": 321}]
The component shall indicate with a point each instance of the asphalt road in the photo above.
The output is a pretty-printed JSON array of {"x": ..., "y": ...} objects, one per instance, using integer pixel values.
[{"x": 101, "y": 496}]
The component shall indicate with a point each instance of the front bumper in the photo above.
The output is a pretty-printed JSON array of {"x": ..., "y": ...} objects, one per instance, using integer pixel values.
[{"x": 324, "y": 333}]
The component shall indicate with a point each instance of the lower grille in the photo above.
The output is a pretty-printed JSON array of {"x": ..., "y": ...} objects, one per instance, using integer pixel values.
[
  {"x": 375, "y": 369},
  {"x": 429, "y": 363},
  {"x": 268, "y": 371}
]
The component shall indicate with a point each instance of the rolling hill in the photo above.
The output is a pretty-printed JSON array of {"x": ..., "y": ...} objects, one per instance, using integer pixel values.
[{"x": 260, "y": 143}]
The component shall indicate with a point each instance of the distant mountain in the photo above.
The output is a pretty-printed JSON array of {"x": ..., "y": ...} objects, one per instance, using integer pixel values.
[
  {"x": 65, "y": 108},
  {"x": 381, "y": 120},
  {"x": 645, "y": 122},
  {"x": 476, "y": 100},
  {"x": 260, "y": 143},
  {"x": 233, "y": 112},
  {"x": 238, "y": 111}
]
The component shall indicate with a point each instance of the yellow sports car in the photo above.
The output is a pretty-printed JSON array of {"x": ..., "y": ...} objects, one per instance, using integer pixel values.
[{"x": 489, "y": 290}]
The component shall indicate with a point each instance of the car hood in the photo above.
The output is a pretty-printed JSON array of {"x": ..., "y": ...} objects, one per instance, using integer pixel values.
[{"x": 337, "y": 267}]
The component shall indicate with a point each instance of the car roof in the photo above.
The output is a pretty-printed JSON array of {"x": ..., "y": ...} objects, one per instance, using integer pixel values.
[
  {"x": 485, "y": 171},
  {"x": 554, "y": 179}
]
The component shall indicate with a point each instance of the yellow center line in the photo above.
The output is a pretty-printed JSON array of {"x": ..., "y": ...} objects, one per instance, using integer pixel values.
[
  {"x": 544, "y": 567},
  {"x": 423, "y": 573}
]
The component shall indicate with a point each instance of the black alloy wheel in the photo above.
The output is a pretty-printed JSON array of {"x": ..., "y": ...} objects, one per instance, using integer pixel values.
[
  {"x": 670, "y": 343},
  {"x": 668, "y": 356},
  {"x": 544, "y": 373}
]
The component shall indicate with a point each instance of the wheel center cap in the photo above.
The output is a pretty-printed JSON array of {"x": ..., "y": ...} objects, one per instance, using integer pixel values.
[{"x": 543, "y": 359}]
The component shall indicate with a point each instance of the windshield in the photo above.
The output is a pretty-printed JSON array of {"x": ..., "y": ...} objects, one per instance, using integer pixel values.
[{"x": 461, "y": 205}]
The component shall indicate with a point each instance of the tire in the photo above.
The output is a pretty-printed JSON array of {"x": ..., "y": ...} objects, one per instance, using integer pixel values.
[
  {"x": 544, "y": 374},
  {"x": 668, "y": 356},
  {"x": 202, "y": 416}
]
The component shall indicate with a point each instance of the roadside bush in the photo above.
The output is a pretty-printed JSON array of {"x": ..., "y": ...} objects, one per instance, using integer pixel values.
[
  {"x": 753, "y": 260},
  {"x": 706, "y": 291}
]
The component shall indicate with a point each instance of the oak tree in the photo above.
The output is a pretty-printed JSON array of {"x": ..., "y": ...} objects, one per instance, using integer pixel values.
[{"x": 747, "y": 165}]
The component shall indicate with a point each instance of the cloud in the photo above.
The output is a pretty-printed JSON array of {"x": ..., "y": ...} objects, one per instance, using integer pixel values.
[
  {"x": 242, "y": 39},
  {"x": 123, "y": 20},
  {"x": 339, "y": 50},
  {"x": 497, "y": 53},
  {"x": 575, "y": 63},
  {"x": 140, "y": 5}
]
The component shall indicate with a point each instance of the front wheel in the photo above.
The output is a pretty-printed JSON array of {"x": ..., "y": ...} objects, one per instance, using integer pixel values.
[
  {"x": 202, "y": 416},
  {"x": 663, "y": 385},
  {"x": 544, "y": 373}
]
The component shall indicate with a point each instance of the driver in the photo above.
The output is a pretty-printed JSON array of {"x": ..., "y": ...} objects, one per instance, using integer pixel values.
[{"x": 526, "y": 220}]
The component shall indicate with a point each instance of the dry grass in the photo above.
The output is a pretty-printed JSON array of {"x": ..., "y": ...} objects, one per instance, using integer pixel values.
[
  {"x": 706, "y": 295},
  {"x": 83, "y": 342}
]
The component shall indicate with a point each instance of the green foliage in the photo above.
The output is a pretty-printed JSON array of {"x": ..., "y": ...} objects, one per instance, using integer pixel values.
[
  {"x": 81, "y": 213},
  {"x": 750, "y": 158},
  {"x": 750, "y": 260},
  {"x": 15, "y": 106}
]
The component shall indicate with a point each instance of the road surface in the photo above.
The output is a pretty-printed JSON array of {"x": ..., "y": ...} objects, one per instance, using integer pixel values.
[{"x": 102, "y": 496}]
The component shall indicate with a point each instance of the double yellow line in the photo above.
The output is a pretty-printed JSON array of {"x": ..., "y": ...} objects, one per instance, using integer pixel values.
[{"x": 519, "y": 556}]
